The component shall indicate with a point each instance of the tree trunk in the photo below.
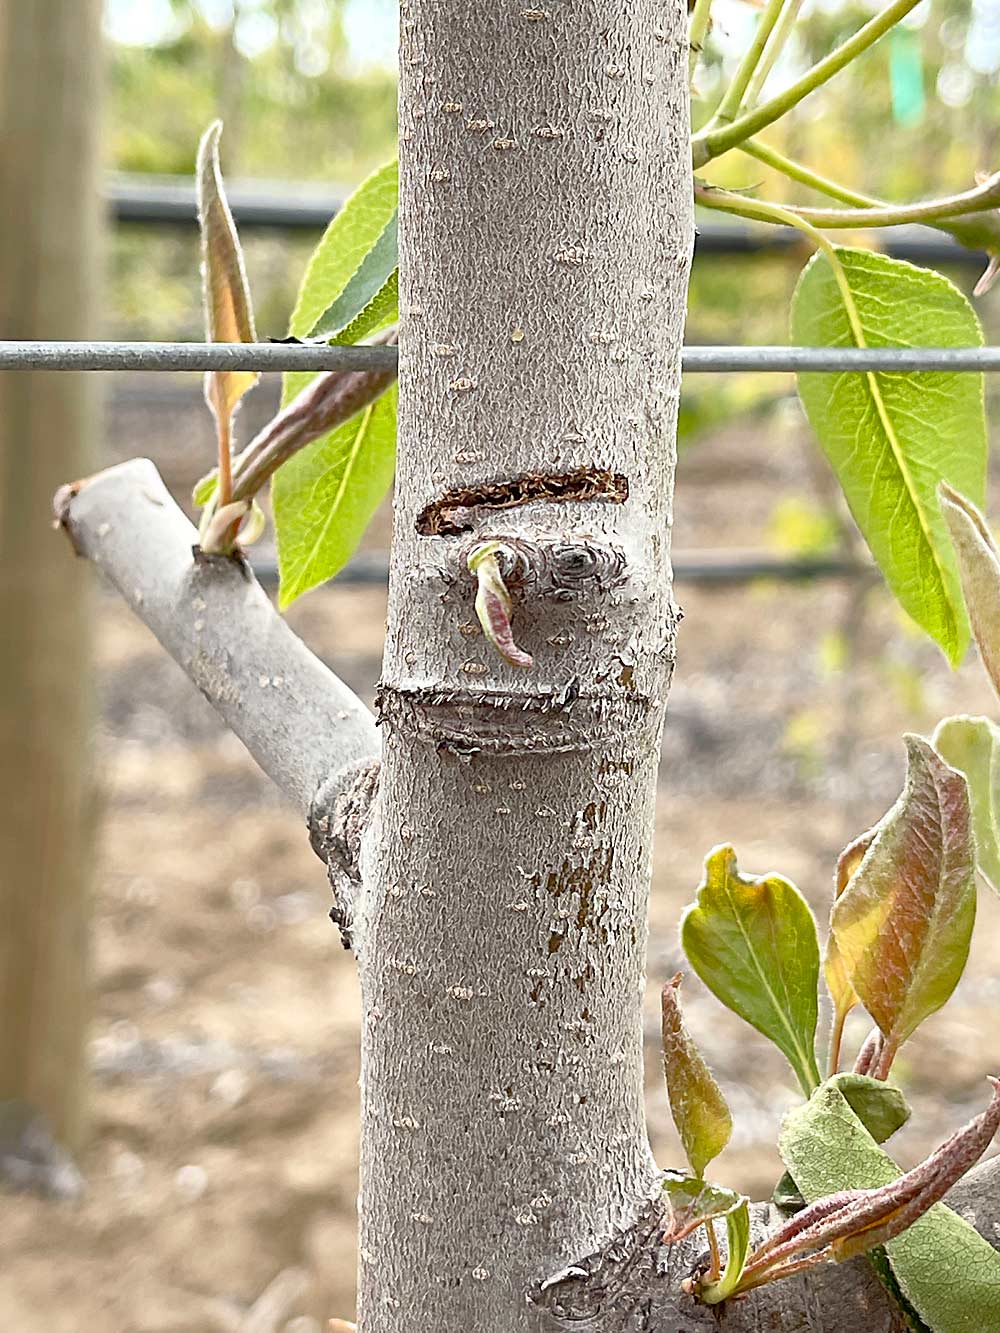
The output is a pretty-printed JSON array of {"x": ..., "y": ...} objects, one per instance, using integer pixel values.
[
  {"x": 545, "y": 237},
  {"x": 50, "y": 75}
]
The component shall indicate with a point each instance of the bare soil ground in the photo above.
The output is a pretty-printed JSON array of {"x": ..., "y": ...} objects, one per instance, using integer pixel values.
[{"x": 222, "y": 1157}]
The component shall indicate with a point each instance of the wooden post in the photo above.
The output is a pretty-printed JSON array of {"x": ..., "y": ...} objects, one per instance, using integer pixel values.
[{"x": 50, "y": 85}]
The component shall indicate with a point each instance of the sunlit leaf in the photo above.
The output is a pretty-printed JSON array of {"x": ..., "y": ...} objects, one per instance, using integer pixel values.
[
  {"x": 838, "y": 983},
  {"x": 693, "y": 1201},
  {"x": 904, "y": 922},
  {"x": 697, "y": 1105},
  {"x": 892, "y": 437},
  {"x": 228, "y": 311},
  {"x": 345, "y": 243},
  {"x": 737, "y": 1248},
  {"x": 753, "y": 943},
  {"x": 972, "y": 745},
  {"x": 945, "y": 1269},
  {"x": 325, "y": 495},
  {"x": 979, "y": 565},
  {"x": 372, "y": 288}
]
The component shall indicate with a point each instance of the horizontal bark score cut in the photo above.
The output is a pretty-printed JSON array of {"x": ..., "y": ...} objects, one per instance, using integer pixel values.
[
  {"x": 301, "y": 724},
  {"x": 467, "y": 722},
  {"x": 633, "y": 1285},
  {"x": 449, "y": 516}
]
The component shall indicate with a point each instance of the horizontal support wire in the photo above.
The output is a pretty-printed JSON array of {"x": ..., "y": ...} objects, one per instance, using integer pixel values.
[{"x": 291, "y": 356}]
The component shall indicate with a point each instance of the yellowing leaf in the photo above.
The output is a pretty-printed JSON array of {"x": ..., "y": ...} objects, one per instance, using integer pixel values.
[
  {"x": 972, "y": 745},
  {"x": 979, "y": 567},
  {"x": 226, "y": 293},
  {"x": 753, "y": 943},
  {"x": 904, "y": 922},
  {"x": 696, "y": 1102},
  {"x": 838, "y": 983}
]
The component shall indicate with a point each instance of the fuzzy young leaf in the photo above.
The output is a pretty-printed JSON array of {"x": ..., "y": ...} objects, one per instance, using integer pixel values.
[
  {"x": 693, "y": 1201},
  {"x": 371, "y": 290},
  {"x": 753, "y": 943},
  {"x": 891, "y": 438},
  {"x": 737, "y": 1248},
  {"x": 696, "y": 1102},
  {"x": 827, "y": 1150},
  {"x": 880, "y": 1108},
  {"x": 979, "y": 566},
  {"x": 325, "y": 495},
  {"x": 972, "y": 745},
  {"x": 228, "y": 310},
  {"x": 904, "y": 922}
]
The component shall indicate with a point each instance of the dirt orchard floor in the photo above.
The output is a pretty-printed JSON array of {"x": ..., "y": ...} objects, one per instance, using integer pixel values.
[{"x": 221, "y": 1170}]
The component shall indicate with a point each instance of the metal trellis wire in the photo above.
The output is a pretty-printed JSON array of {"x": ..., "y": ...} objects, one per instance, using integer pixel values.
[{"x": 298, "y": 356}]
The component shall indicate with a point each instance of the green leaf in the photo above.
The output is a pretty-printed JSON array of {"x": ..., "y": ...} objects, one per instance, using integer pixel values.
[
  {"x": 696, "y": 1102},
  {"x": 880, "y": 1108},
  {"x": 892, "y": 437},
  {"x": 972, "y": 745},
  {"x": 346, "y": 242},
  {"x": 693, "y": 1201},
  {"x": 753, "y": 943},
  {"x": 737, "y": 1248},
  {"x": 979, "y": 565},
  {"x": 904, "y": 922},
  {"x": 370, "y": 294},
  {"x": 325, "y": 495},
  {"x": 205, "y": 488},
  {"x": 947, "y": 1271}
]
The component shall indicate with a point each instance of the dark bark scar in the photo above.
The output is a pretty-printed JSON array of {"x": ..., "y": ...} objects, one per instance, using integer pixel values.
[{"x": 446, "y": 516}]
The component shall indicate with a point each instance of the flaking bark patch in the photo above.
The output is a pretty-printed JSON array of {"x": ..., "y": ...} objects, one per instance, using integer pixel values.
[{"x": 447, "y": 517}]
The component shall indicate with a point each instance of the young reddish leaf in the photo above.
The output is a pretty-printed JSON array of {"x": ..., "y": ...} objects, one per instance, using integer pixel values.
[
  {"x": 979, "y": 569},
  {"x": 226, "y": 294},
  {"x": 972, "y": 745},
  {"x": 493, "y": 604},
  {"x": 692, "y": 1201},
  {"x": 904, "y": 921},
  {"x": 696, "y": 1102},
  {"x": 753, "y": 943}
]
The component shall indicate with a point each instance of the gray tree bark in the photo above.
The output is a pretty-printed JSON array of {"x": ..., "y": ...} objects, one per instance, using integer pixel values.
[
  {"x": 495, "y": 882},
  {"x": 545, "y": 238},
  {"x": 50, "y": 84}
]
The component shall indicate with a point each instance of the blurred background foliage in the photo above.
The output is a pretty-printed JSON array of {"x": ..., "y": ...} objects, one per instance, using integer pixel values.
[{"x": 307, "y": 91}]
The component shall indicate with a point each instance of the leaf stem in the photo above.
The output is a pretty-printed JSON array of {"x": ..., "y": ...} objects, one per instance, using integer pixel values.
[
  {"x": 775, "y": 46},
  {"x": 715, "y": 1265},
  {"x": 726, "y": 202},
  {"x": 797, "y": 171},
  {"x": 836, "y": 1040},
  {"x": 980, "y": 199},
  {"x": 883, "y": 1063},
  {"x": 223, "y": 423},
  {"x": 698, "y": 32},
  {"x": 713, "y": 140},
  {"x": 729, "y": 108}
]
